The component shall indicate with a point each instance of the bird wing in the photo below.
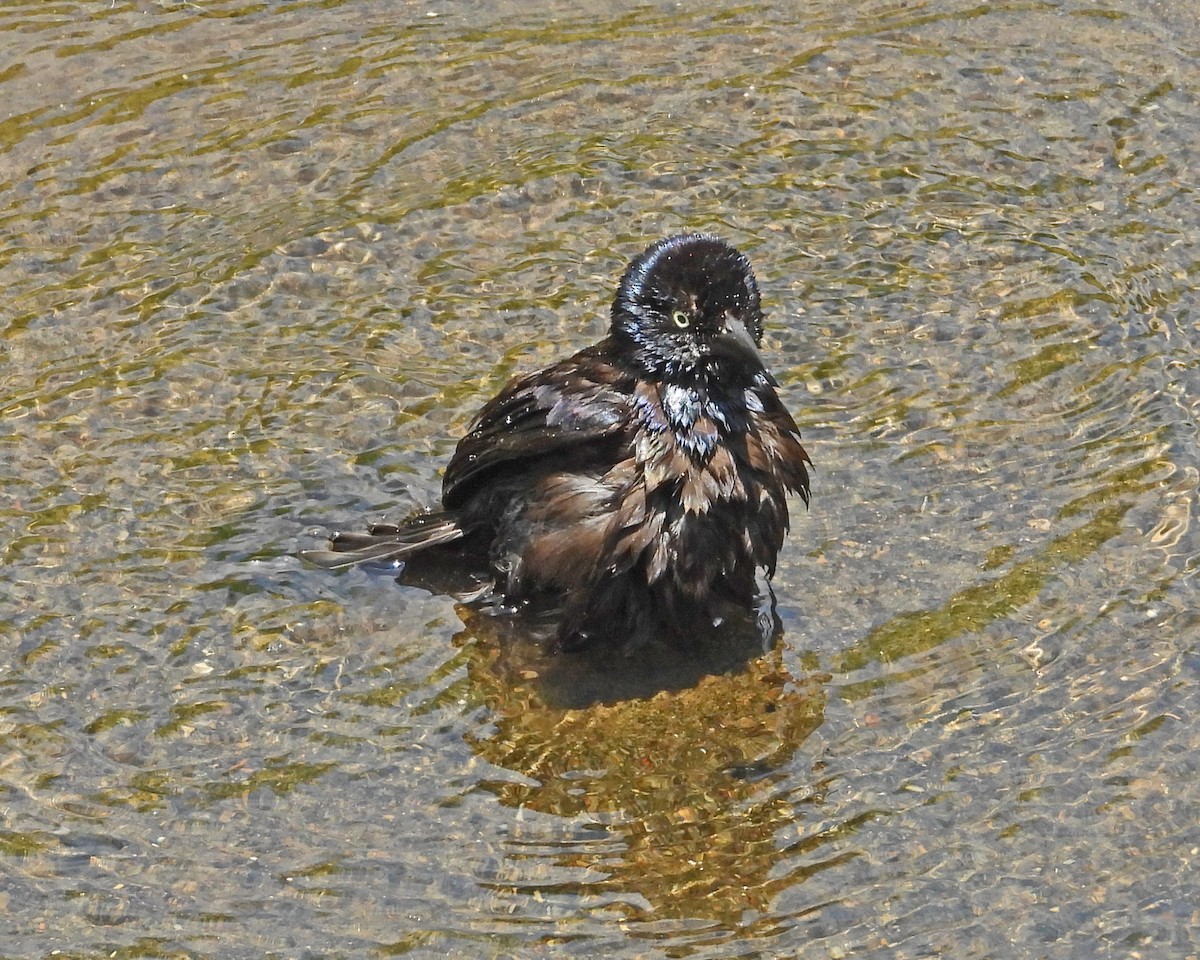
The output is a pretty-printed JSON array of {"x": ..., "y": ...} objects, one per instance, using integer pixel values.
[
  {"x": 557, "y": 410},
  {"x": 773, "y": 446}
]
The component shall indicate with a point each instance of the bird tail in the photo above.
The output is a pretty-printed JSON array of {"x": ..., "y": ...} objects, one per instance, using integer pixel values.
[{"x": 387, "y": 542}]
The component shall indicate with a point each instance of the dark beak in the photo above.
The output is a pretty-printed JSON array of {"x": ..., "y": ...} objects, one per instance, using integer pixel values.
[{"x": 736, "y": 343}]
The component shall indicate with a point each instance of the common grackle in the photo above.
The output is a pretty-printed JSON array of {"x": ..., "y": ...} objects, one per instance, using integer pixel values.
[{"x": 639, "y": 485}]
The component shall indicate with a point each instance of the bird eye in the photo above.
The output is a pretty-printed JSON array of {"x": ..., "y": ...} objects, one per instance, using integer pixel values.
[{"x": 681, "y": 319}]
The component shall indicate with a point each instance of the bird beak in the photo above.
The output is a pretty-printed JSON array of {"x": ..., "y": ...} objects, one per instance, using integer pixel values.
[{"x": 737, "y": 343}]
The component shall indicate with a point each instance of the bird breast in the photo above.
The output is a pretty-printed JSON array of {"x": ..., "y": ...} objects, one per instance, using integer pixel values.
[{"x": 687, "y": 444}]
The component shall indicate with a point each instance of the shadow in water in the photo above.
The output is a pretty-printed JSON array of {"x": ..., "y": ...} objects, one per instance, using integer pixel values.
[
  {"x": 673, "y": 767},
  {"x": 606, "y": 675},
  {"x": 599, "y": 674}
]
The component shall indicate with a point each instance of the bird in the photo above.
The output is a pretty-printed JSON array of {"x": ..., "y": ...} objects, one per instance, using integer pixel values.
[{"x": 639, "y": 487}]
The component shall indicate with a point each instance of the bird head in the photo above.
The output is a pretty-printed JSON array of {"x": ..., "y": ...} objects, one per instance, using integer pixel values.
[{"x": 688, "y": 310}]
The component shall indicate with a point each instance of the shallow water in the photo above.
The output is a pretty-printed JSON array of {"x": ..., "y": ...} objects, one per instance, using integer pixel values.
[{"x": 261, "y": 262}]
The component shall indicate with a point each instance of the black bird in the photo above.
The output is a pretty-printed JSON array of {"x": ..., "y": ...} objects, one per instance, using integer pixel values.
[{"x": 639, "y": 485}]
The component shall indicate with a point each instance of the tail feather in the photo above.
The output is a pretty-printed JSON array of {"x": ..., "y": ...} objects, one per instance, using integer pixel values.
[{"x": 386, "y": 542}]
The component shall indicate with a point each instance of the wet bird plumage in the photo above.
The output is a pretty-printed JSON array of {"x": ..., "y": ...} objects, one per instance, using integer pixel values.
[{"x": 640, "y": 483}]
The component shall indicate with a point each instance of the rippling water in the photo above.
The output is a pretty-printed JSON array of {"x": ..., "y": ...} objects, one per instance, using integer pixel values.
[{"x": 262, "y": 261}]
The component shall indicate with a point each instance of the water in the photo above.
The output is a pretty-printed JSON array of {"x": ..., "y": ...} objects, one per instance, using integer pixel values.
[{"x": 261, "y": 262}]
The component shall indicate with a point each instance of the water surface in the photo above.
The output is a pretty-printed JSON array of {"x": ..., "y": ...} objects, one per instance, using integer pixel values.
[{"x": 261, "y": 262}]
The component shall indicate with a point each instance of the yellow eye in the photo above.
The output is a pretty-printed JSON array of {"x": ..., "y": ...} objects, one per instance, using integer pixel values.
[{"x": 681, "y": 319}]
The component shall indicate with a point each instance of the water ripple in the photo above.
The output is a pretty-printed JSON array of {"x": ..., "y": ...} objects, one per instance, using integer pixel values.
[{"x": 262, "y": 262}]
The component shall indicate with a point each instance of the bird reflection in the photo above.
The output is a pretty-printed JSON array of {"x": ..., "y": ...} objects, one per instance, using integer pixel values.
[{"x": 680, "y": 788}]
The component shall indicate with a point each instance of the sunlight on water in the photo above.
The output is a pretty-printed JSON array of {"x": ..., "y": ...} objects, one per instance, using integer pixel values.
[{"x": 261, "y": 264}]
